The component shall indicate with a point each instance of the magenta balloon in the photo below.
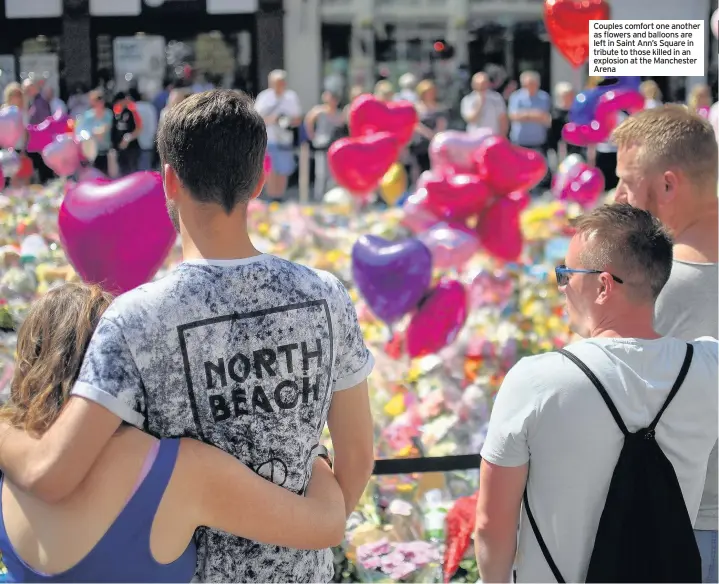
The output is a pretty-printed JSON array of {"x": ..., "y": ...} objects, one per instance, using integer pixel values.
[
  {"x": 11, "y": 126},
  {"x": 417, "y": 216},
  {"x": 438, "y": 320},
  {"x": 117, "y": 234},
  {"x": 452, "y": 152},
  {"x": 582, "y": 184}
]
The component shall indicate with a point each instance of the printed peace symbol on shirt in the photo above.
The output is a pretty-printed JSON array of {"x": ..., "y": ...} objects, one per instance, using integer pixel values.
[{"x": 274, "y": 470}]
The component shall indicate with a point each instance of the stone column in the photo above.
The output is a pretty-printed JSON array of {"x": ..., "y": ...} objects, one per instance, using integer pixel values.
[{"x": 76, "y": 44}]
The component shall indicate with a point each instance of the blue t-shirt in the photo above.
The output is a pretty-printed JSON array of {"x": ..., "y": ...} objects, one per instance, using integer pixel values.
[
  {"x": 529, "y": 133},
  {"x": 89, "y": 122}
]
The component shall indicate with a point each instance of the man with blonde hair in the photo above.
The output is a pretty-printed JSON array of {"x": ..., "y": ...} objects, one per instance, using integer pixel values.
[{"x": 667, "y": 165}]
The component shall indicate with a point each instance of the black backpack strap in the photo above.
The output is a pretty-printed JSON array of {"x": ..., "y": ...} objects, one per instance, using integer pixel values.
[
  {"x": 540, "y": 541},
  {"x": 598, "y": 384},
  {"x": 677, "y": 384}
]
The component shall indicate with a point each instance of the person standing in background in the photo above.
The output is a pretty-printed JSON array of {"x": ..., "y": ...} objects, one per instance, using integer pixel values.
[
  {"x": 407, "y": 88},
  {"x": 280, "y": 108},
  {"x": 530, "y": 113},
  {"x": 324, "y": 124},
  {"x": 13, "y": 96},
  {"x": 563, "y": 99},
  {"x": 79, "y": 102},
  {"x": 432, "y": 119},
  {"x": 56, "y": 104},
  {"x": 126, "y": 128},
  {"x": 652, "y": 94},
  {"x": 146, "y": 139},
  {"x": 484, "y": 107},
  {"x": 384, "y": 91},
  {"x": 667, "y": 165},
  {"x": 700, "y": 100},
  {"x": 38, "y": 111},
  {"x": 97, "y": 121}
]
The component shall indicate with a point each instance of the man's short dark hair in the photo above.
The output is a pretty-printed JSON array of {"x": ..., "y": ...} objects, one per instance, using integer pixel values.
[
  {"x": 215, "y": 141},
  {"x": 634, "y": 243}
]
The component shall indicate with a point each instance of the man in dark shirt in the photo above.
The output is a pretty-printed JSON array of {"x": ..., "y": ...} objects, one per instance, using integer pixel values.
[{"x": 126, "y": 127}]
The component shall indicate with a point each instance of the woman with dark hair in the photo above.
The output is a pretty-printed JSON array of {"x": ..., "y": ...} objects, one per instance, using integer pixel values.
[
  {"x": 134, "y": 516},
  {"x": 432, "y": 119}
]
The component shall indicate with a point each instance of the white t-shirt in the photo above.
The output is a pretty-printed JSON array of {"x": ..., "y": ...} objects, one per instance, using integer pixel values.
[
  {"x": 288, "y": 104},
  {"x": 242, "y": 354},
  {"x": 547, "y": 407},
  {"x": 494, "y": 108}
]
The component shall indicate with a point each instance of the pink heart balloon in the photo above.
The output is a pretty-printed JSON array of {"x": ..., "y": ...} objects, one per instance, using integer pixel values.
[
  {"x": 499, "y": 230},
  {"x": 453, "y": 152},
  {"x": 583, "y": 184},
  {"x": 11, "y": 126},
  {"x": 368, "y": 115},
  {"x": 456, "y": 197},
  {"x": 451, "y": 246},
  {"x": 507, "y": 167},
  {"x": 621, "y": 100},
  {"x": 358, "y": 164},
  {"x": 117, "y": 234},
  {"x": 416, "y": 215},
  {"x": 438, "y": 319},
  {"x": 62, "y": 155},
  {"x": 92, "y": 174}
]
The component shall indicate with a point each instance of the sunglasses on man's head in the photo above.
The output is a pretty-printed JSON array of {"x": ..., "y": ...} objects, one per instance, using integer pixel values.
[{"x": 563, "y": 273}]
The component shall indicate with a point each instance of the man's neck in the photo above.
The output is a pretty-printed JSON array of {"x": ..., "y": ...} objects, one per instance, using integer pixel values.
[
  {"x": 224, "y": 238},
  {"x": 697, "y": 237},
  {"x": 635, "y": 323}
]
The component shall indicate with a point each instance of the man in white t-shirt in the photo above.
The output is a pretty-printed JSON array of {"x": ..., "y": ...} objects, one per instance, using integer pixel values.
[
  {"x": 280, "y": 108},
  {"x": 548, "y": 411},
  {"x": 667, "y": 164},
  {"x": 484, "y": 108}
]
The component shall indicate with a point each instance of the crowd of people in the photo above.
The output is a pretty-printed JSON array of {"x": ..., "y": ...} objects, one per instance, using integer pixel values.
[
  {"x": 125, "y": 124},
  {"x": 140, "y": 429}
]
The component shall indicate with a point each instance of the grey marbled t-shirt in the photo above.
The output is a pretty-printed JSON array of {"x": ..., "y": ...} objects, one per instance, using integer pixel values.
[{"x": 241, "y": 354}]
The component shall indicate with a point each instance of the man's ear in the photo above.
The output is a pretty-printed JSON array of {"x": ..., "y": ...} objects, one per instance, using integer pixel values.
[
  {"x": 170, "y": 181},
  {"x": 606, "y": 287},
  {"x": 260, "y": 185}
]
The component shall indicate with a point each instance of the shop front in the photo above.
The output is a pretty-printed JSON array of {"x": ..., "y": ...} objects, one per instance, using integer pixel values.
[
  {"x": 30, "y": 41},
  {"x": 200, "y": 42}
]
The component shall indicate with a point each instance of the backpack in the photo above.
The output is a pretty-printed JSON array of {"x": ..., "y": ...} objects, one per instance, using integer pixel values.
[{"x": 645, "y": 533}]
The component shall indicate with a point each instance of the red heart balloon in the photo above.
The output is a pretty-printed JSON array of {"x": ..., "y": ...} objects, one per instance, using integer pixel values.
[
  {"x": 117, "y": 234},
  {"x": 567, "y": 23},
  {"x": 508, "y": 168},
  {"x": 368, "y": 115},
  {"x": 499, "y": 230},
  {"x": 456, "y": 197},
  {"x": 438, "y": 319},
  {"x": 358, "y": 164}
]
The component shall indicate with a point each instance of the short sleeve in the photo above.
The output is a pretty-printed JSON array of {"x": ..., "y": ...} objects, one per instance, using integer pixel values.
[
  {"x": 354, "y": 360},
  {"x": 109, "y": 375},
  {"x": 261, "y": 105},
  {"x": 514, "y": 409}
]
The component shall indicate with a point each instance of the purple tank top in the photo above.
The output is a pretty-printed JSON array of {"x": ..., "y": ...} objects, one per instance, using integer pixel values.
[{"x": 123, "y": 554}]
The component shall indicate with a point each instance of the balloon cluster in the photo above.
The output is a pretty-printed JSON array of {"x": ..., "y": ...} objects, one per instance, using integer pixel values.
[
  {"x": 378, "y": 133},
  {"x": 472, "y": 197},
  {"x": 62, "y": 151},
  {"x": 593, "y": 114}
]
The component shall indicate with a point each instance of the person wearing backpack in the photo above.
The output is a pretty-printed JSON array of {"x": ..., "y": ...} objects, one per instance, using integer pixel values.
[
  {"x": 598, "y": 452},
  {"x": 667, "y": 164}
]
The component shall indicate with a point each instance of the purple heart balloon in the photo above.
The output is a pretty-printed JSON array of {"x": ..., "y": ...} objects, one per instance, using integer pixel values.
[
  {"x": 392, "y": 276},
  {"x": 11, "y": 126}
]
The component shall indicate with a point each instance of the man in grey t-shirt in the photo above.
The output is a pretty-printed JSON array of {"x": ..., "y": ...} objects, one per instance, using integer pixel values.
[
  {"x": 667, "y": 164},
  {"x": 242, "y": 350}
]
